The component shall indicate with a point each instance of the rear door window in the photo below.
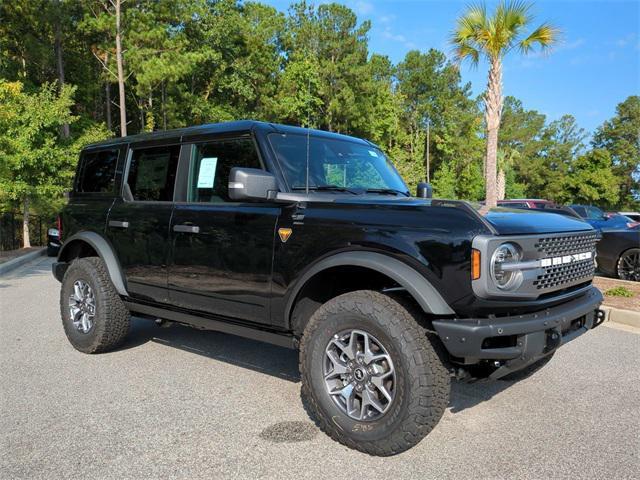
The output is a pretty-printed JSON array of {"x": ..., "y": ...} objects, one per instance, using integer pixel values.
[
  {"x": 152, "y": 173},
  {"x": 97, "y": 171}
]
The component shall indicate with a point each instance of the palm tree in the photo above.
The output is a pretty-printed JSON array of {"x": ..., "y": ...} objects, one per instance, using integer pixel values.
[{"x": 479, "y": 35}]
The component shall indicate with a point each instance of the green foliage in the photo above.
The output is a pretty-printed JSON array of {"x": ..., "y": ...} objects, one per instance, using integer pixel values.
[
  {"x": 621, "y": 137},
  {"x": 619, "y": 291},
  {"x": 34, "y": 161},
  {"x": 591, "y": 180},
  {"x": 189, "y": 62}
]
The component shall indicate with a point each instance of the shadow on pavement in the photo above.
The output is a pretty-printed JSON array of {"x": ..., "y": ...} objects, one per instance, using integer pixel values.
[
  {"x": 272, "y": 360},
  {"x": 261, "y": 357},
  {"x": 39, "y": 267}
]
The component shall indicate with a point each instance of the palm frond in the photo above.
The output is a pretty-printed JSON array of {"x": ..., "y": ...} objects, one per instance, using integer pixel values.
[
  {"x": 509, "y": 18},
  {"x": 469, "y": 37},
  {"x": 478, "y": 33},
  {"x": 464, "y": 51},
  {"x": 544, "y": 36}
]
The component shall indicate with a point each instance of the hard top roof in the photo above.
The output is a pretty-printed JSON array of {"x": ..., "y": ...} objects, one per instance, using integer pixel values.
[{"x": 184, "y": 134}]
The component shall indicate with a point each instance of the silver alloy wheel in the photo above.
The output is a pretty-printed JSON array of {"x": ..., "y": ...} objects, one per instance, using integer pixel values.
[
  {"x": 82, "y": 306},
  {"x": 359, "y": 375},
  {"x": 629, "y": 265}
]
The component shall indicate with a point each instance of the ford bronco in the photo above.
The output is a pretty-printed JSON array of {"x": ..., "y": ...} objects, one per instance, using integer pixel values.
[{"x": 311, "y": 240}]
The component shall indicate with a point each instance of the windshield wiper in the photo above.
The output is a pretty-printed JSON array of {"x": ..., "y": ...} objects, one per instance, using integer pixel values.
[
  {"x": 326, "y": 188},
  {"x": 387, "y": 191}
]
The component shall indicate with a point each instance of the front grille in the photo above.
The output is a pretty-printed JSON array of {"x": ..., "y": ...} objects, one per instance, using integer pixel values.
[
  {"x": 557, "y": 276},
  {"x": 567, "y": 244}
]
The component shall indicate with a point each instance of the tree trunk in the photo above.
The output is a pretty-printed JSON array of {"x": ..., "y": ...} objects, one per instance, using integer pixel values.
[
  {"x": 150, "y": 125},
  {"x": 493, "y": 112},
  {"x": 107, "y": 104},
  {"x": 64, "y": 130},
  {"x": 123, "y": 106},
  {"x": 164, "y": 106},
  {"x": 26, "y": 241},
  {"x": 501, "y": 185}
]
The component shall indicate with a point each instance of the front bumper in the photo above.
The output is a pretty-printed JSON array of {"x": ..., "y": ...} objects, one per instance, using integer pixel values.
[{"x": 518, "y": 341}]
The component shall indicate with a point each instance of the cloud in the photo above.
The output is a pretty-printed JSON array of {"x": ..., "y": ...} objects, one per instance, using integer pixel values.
[
  {"x": 392, "y": 36},
  {"x": 630, "y": 40},
  {"x": 626, "y": 41},
  {"x": 386, "y": 19},
  {"x": 363, "y": 8}
]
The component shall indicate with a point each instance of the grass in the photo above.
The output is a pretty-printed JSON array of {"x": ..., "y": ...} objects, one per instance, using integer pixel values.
[{"x": 619, "y": 291}]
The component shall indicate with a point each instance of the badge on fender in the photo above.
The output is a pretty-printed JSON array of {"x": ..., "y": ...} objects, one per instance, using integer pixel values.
[{"x": 284, "y": 233}]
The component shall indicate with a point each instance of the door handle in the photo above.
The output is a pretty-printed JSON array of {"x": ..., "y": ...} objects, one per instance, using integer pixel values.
[
  {"x": 118, "y": 224},
  {"x": 186, "y": 228}
]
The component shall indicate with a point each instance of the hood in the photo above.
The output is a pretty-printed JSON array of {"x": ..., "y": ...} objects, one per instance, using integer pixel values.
[
  {"x": 522, "y": 222},
  {"x": 503, "y": 221}
]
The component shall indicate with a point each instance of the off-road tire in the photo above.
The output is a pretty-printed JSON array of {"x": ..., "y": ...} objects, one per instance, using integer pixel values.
[
  {"x": 423, "y": 382},
  {"x": 528, "y": 371},
  {"x": 111, "y": 320}
]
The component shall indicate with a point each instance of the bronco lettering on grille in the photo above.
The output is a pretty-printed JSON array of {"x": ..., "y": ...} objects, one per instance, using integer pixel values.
[{"x": 563, "y": 260}]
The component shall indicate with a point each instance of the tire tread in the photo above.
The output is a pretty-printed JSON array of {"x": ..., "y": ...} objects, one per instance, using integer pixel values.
[{"x": 427, "y": 401}]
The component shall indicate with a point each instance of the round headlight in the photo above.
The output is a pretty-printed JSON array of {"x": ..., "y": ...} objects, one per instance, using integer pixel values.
[{"x": 503, "y": 275}]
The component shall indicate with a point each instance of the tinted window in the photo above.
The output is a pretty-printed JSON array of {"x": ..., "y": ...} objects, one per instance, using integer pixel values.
[
  {"x": 97, "y": 171},
  {"x": 152, "y": 173},
  {"x": 514, "y": 205},
  {"x": 211, "y": 164},
  {"x": 335, "y": 162},
  {"x": 580, "y": 211},
  {"x": 594, "y": 213}
]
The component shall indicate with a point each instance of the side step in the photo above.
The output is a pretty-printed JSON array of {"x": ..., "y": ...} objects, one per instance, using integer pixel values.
[{"x": 208, "y": 323}]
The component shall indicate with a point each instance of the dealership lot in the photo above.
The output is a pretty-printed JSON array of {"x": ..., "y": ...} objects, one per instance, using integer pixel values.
[{"x": 177, "y": 402}]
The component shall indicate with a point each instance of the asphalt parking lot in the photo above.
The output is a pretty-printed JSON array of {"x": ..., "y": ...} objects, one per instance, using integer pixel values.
[{"x": 181, "y": 403}]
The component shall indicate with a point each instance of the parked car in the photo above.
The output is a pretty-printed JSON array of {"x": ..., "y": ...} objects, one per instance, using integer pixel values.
[
  {"x": 635, "y": 216},
  {"x": 53, "y": 241},
  {"x": 619, "y": 254},
  {"x": 529, "y": 203},
  {"x": 311, "y": 240},
  {"x": 597, "y": 218},
  {"x": 546, "y": 205}
]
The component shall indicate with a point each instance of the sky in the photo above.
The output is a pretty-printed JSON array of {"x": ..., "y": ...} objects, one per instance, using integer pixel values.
[{"x": 595, "y": 66}]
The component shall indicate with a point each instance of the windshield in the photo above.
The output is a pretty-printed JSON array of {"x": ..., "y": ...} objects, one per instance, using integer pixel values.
[{"x": 335, "y": 165}]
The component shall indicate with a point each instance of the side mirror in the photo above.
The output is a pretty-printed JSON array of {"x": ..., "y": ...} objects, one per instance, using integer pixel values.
[
  {"x": 252, "y": 184},
  {"x": 424, "y": 190}
]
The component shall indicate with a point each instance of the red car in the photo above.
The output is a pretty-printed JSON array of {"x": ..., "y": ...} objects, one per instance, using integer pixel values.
[{"x": 530, "y": 203}]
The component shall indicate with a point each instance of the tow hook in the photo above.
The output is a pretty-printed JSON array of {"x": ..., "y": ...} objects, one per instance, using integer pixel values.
[{"x": 599, "y": 318}]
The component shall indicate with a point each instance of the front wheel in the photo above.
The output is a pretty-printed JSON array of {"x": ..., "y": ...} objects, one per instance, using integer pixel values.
[
  {"x": 628, "y": 267},
  {"x": 370, "y": 376}
]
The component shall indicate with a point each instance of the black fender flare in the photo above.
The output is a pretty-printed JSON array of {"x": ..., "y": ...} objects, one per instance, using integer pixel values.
[
  {"x": 416, "y": 284},
  {"x": 105, "y": 251}
]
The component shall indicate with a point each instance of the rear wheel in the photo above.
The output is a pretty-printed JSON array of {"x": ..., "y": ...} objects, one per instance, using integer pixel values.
[
  {"x": 370, "y": 377},
  {"x": 628, "y": 267},
  {"x": 93, "y": 315}
]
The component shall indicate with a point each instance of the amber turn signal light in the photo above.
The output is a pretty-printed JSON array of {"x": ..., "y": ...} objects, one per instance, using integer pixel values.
[{"x": 475, "y": 264}]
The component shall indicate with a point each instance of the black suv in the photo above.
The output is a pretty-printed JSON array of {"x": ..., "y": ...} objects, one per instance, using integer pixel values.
[{"x": 310, "y": 240}]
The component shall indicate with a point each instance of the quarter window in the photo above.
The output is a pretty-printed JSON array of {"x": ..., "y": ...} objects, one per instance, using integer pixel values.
[
  {"x": 152, "y": 173},
  {"x": 97, "y": 171},
  {"x": 211, "y": 164}
]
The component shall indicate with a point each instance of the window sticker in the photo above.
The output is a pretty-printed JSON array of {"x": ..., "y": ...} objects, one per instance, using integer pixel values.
[
  {"x": 373, "y": 153},
  {"x": 207, "y": 173}
]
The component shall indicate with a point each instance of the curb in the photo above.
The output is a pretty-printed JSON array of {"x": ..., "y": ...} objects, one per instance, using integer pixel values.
[
  {"x": 623, "y": 317},
  {"x": 11, "y": 265}
]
